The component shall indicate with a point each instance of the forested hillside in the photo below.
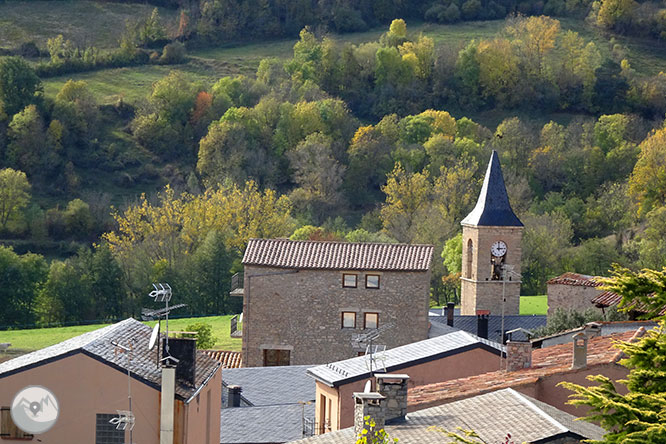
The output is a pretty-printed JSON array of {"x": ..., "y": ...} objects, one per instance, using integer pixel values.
[{"x": 382, "y": 136}]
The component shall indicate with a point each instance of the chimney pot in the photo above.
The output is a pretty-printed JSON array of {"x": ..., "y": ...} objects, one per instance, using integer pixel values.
[
  {"x": 369, "y": 404},
  {"x": 450, "y": 307},
  {"x": 482, "y": 323},
  {"x": 579, "y": 350},
  {"x": 518, "y": 355}
]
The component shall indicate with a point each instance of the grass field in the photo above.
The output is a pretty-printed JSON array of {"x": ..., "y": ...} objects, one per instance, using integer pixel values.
[
  {"x": 84, "y": 22},
  {"x": 534, "y": 305},
  {"x": 35, "y": 339}
]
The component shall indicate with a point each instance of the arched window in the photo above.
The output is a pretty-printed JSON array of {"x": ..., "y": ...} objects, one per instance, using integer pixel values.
[{"x": 468, "y": 265}]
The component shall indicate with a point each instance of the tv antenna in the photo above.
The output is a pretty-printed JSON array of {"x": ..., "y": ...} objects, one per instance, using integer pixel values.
[
  {"x": 125, "y": 418},
  {"x": 163, "y": 293},
  {"x": 359, "y": 340}
]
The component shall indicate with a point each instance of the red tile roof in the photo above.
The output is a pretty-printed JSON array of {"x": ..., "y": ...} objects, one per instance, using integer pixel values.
[
  {"x": 284, "y": 253},
  {"x": 229, "y": 359},
  {"x": 608, "y": 299},
  {"x": 556, "y": 359},
  {"x": 580, "y": 280}
]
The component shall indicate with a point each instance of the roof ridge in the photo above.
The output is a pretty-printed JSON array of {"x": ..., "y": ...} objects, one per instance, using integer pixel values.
[
  {"x": 640, "y": 332},
  {"x": 323, "y": 241}
]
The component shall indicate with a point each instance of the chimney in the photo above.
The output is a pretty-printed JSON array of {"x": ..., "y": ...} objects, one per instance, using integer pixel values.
[
  {"x": 394, "y": 387},
  {"x": 518, "y": 355},
  {"x": 592, "y": 329},
  {"x": 166, "y": 404},
  {"x": 369, "y": 404},
  {"x": 482, "y": 323},
  {"x": 579, "y": 350},
  {"x": 234, "y": 395},
  {"x": 185, "y": 350},
  {"x": 450, "y": 307}
]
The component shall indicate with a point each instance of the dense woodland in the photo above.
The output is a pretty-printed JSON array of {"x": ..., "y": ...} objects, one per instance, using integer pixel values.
[{"x": 340, "y": 142}]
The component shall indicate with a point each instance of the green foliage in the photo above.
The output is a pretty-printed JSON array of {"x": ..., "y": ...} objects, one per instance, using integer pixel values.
[
  {"x": 205, "y": 337},
  {"x": 567, "y": 319},
  {"x": 14, "y": 194},
  {"x": 19, "y": 85},
  {"x": 371, "y": 435},
  {"x": 636, "y": 414},
  {"x": 20, "y": 279},
  {"x": 644, "y": 289},
  {"x": 452, "y": 254}
]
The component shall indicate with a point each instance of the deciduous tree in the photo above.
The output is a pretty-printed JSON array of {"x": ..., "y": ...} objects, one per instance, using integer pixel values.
[{"x": 14, "y": 193}]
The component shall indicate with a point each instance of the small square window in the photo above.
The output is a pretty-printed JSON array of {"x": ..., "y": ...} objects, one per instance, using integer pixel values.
[
  {"x": 370, "y": 320},
  {"x": 348, "y": 319},
  {"x": 371, "y": 281},
  {"x": 349, "y": 280}
]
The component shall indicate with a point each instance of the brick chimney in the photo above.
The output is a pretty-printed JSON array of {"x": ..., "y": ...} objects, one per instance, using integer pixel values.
[
  {"x": 450, "y": 308},
  {"x": 234, "y": 395},
  {"x": 369, "y": 404},
  {"x": 185, "y": 350},
  {"x": 482, "y": 323},
  {"x": 579, "y": 350},
  {"x": 394, "y": 387},
  {"x": 518, "y": 355}
]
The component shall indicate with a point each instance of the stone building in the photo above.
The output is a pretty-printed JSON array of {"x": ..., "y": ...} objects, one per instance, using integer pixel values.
[
  {"x": 572, "y": 291},
  {"x": 304, "y": 300},
  {"x": 492, "y": 234}
]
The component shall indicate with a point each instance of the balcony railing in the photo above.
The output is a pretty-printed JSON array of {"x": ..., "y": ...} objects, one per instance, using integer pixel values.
[
  {"x": 311, "y": 428},
  {"x": 236, "y": 327},
  {"x": 237, "y": 282}
]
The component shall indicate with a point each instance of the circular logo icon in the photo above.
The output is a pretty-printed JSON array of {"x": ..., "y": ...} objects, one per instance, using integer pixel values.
[{"x": 34, "y": 409}]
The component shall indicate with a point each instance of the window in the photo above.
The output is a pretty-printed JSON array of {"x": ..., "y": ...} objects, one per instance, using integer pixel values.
[
  {"x": 348, "y": 319},
  {"x": 8, "y": 429},
  {"x": 105, "y": 432},
  {"x": 371, "y": 281},
  {"x": 370, "y": 320},
  {"x": 349, "y": 280},
  {"x": 275, "y": 358}
]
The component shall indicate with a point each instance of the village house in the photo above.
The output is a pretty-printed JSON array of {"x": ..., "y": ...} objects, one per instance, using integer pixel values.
[
  {"x": 304, "y": 301},
  {"x": 536, "y": 372},
  {"x": 88, "y": 377},
  {"x": 502, "y": 416},
  {"x": 450, "y": 356}
]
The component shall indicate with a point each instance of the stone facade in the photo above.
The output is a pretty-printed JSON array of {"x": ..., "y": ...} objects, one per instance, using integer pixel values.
[
  {"x": 571, "y": 297},
  {"x": 369, "y": 404},
  {"x": 394, "y": 388},
  {"x": 478, "y": 291},
  {"x": 300, "y": 312}
]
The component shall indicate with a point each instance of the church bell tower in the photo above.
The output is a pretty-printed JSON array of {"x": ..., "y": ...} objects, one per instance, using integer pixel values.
[{"x": 491, "y": 249}]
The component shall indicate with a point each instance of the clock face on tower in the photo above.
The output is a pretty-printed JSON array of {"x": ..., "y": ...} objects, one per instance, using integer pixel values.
[{"x": 498, "y": 249}]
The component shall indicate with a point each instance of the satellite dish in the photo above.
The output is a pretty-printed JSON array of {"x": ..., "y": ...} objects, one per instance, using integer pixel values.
[
  {"x": 153, "y": 336},
  {"x": 368, "y": 387}
]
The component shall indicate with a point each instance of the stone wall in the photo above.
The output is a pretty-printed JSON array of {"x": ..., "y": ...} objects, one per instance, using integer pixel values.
[
  {"x": 301, "y": 311},
  {"x": 518, "y": 355},
  {"x": 567, "y": 297},
  {"x": 478, "y": 291}
]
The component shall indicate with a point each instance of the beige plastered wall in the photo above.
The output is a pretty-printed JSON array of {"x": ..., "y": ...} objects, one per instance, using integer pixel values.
[
  {"x": 202, "y": 413},
  {"x": 468, "y": 363}
]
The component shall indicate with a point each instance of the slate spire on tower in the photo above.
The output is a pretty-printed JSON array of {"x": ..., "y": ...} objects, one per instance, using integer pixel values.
[{"x": 493, "y": 208}]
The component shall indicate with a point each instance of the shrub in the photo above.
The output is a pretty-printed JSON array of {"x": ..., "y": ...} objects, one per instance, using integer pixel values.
[
  {"x": 205, "y": 338},
  {"x": 173, "y": 53}
]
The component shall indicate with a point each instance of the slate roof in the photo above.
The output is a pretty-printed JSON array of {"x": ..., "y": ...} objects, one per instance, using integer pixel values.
[
  {"x": 97, "y": 345},
  {"x": 575, "y": 279},
  {"x": 228, "y": 359},
  {"x": 272, "y": 385},
  {"x": 554, "y": 360},
  {"x": 491, "y": 415},
  {"x": 493, "y": 207},
  {"x": 354, "y": 369},
  {"x": 264, "y": 424},
  {"x": 317, "y": 255},
  {"x": 468, "y": 323}
]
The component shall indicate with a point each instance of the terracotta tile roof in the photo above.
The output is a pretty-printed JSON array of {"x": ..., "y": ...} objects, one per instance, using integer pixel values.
[
  {"x": 580, "y": 280},
  {"x": 284, "y": 253},
  {"x": 610, "y": 299},
  {"x": 556, "y": 359},
  {"x": 229, "y": 359}
]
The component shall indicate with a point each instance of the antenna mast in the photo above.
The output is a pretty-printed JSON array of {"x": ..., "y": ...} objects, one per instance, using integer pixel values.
[{"x": 125, "y": 417}]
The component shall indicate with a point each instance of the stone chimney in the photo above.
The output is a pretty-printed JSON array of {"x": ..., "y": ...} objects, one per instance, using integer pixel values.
[
  {"x": 518, "y": 355},
  {"x": 482, "y": 323},
  {"x": 592, "y": 329},
  {"x": 450, "y": 308},
  {"x": 579, "y": 350},
  {"x": 234, "y": 395},
  {"x": 369, "y": 404},
  {"x": 394, "y": 387}
]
